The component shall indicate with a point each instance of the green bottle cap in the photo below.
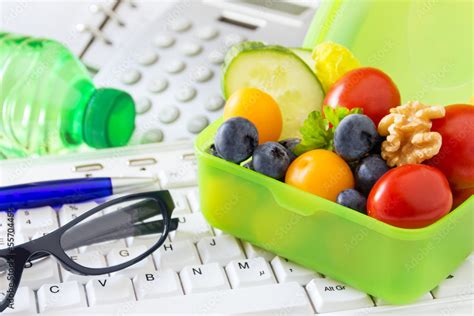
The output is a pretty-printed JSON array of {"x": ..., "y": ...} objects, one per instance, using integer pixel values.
[{"x": 109, "y": 119}]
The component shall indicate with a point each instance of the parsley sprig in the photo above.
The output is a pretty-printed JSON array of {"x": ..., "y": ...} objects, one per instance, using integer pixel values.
[{"x": 318, "y": 130}]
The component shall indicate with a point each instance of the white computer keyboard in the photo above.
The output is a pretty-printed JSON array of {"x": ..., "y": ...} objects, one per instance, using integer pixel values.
[{"x": 199, "y": 269}]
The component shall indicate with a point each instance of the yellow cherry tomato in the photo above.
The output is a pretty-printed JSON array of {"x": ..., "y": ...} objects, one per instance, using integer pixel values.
[
  {"x": 259, "y": 108},
  {"x": 321, "y": 172}
]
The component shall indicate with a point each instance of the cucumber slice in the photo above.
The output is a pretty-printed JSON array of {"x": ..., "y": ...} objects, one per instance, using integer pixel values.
[
  {"x": 305, "y": 55},
  {"x": 279, "y": 72}
]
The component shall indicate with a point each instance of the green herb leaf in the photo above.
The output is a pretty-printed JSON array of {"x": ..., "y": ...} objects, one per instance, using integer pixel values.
[
  {"x": 318, "y": 130},
  {"x": 335, "y": 115},
  {"x": 316, "y": 134}
]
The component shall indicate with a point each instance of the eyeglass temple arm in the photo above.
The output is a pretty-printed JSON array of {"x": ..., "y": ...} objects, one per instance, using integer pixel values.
[
  {"x": 137, "y": 212},
  {"x": 118, "y": 224},
  {"x": 136, "y": 230},
  {"x": 142, "y": 229}
]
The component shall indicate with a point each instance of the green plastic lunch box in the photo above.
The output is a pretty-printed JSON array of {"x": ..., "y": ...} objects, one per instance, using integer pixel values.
[
  {"x": 391, "y": 263},
  {"x": 395, "y": 264}
]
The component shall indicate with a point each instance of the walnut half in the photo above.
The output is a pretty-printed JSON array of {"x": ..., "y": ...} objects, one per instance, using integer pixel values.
[{"x": 409, "y": 139}]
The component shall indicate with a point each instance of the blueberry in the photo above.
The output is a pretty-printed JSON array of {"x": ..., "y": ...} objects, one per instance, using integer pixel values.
[
  {"x": 236, "y": 139},
  {"x": 289, "y": 144},
  {"x": 369, "y": 170},
  {"x": 271, "y": 159},
  {"x": 355, "y": 136},
  {"x": 352, "y": 199}
]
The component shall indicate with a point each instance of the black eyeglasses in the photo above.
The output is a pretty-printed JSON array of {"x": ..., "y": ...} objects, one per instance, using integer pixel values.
[{"x": 134, "y": 215}]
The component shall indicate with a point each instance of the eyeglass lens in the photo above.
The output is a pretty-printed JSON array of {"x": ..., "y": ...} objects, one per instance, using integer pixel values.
[{"x": 115, "y": 235}]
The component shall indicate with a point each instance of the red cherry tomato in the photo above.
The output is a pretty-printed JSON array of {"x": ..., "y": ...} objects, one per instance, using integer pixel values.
[
  {"x": 410, "y": 196},
  {"x": 366, "y": 88},
  {"x": 456, "y": 156}
]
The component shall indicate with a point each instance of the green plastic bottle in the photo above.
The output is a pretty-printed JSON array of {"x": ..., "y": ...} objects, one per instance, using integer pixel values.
[{"x": 48, "y": 102}]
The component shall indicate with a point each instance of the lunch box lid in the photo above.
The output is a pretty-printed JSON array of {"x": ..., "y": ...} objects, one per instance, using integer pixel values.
[{"x": 425, "y": 46}]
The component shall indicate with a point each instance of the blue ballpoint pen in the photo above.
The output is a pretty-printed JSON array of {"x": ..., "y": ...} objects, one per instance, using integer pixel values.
[{"x": 59, "y": 192}]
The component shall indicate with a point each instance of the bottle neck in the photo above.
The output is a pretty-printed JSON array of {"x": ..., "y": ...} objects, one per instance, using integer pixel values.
[{"x": 109, "y": 118}]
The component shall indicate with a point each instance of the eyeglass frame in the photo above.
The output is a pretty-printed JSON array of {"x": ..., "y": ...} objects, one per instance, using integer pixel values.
[{"x": 51, "y": 244}]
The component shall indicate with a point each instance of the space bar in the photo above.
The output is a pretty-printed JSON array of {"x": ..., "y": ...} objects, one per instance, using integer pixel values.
[{"x": 268, "y": 299}]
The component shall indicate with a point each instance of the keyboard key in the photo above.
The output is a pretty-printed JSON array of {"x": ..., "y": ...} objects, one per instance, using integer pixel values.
[
  {"x": 157, "y": 284},
  {"x": 190, "y": 49},
  {"x": 331, "y": 296},
  {"x": 69, "y": 212},
  {"x": 24, "y": 303},
  {"x": 158, "y": 85},
  {"x": 163, "y": 41},
  {"x": 214, "y": 103},
  {"x": 142, "y": 105},
  {"x": 207, "y": 33},
  {"x": 424, "y": 298},
  {"x": 253, "y": 251},
  {"x": 175, "y": 66},
  {"x": 220, "y": 249},
  {"x": 191, "y": 227},
  {"x": 28, "y": 222},
  {"x": 181, "y": 206},
  {"x": 250, "y": 272},
  {"x": 40, "y": 272},
  {"x": 275, "y": 299},
  {"x": 130, "y": 76},
  {"x": 142, "y": 162},
  {"x": 216, "y": 57},
  {"x": 202, "y": 74},
  {"x": 197, "y": 123},
  {"x": 180, "y": 25},
  {"x": 146, "y": 240},
  {"x": 287, "y": 271},
  {"x": 104, "y": 247},
  {"x": 185, "y": 93},
  {"x": 61, "y": 296},
  {"x": 88, "y": 167},
  {"x": 153, "y": 136},
  {"x": 204, "y": 278},
  {"x": 176, "y": 256},
  {"x": 93, "y": 259},
  {"x": 184, "y": 174},
  {"x": 40, "y": 234},
  {"x": 168, "y": 114},
  {"x": 147, "y": 58},
  {"x": 115, "y": 289},
  {"x": 118, "y": 256},
  {"x": 460, "y": 282}
]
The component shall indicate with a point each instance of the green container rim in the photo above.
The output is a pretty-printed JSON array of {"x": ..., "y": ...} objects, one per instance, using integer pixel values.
[{"x": 278, "y": 189}]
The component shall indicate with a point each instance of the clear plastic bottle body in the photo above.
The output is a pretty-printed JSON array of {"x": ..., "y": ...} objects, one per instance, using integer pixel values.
[{"x": 44, "y": 92}]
